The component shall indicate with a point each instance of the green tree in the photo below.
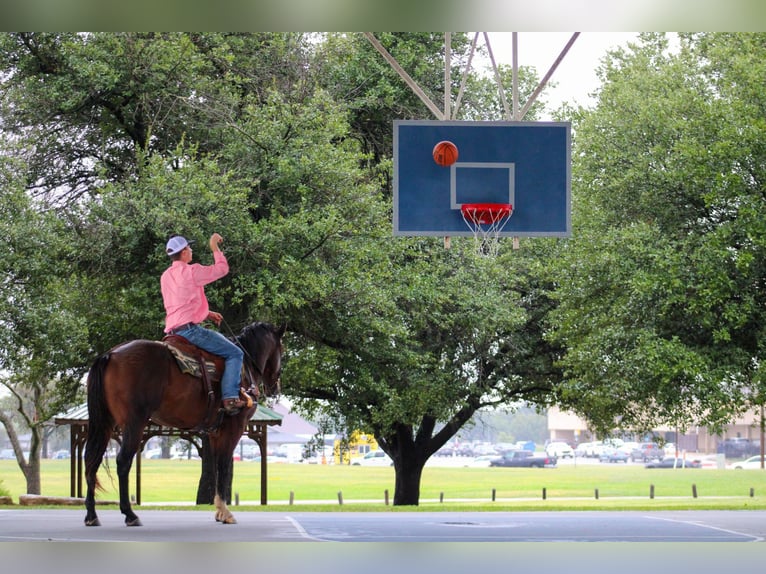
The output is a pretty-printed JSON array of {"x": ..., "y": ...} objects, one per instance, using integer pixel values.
[
  {"x": 44, "y": 341},
  {"x": 398, "y": 337},
  {"x": 660, "y": 292},
  {"x": 404, "y": 339},
  {"x": 92, "y": 102}
]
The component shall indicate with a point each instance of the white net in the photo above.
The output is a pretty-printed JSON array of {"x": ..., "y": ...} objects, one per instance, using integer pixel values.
[{"x": 486, "y": 221}]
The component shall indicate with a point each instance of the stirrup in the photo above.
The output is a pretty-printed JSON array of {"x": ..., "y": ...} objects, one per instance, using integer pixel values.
[{"x": 233, "y": 406}]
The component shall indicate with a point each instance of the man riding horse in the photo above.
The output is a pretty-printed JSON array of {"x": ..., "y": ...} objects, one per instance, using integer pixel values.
[
  {"x": 141, "y": 381},
  {"x": 186, "y": 306}
]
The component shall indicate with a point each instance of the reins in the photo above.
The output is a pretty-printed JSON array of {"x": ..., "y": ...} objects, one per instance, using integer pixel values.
[{"x": 235, "y": 339}]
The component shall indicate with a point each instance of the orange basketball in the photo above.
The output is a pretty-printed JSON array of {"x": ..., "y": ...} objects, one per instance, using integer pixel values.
[{"x": 445, "y": 153}]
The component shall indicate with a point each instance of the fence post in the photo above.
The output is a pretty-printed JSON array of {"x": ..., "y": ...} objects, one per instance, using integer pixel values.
[
  {"x": 694, "y": 490},
  {"x": 385, "y": 496},
  {"x": 292, "y": 497},
  {"x": 545, "y": 493},
  {"x": 493, "y": 495},
  {"x": 596, "y": 493},
  {"x": 651, "y": 491},
  {"x": 340, "y": 498}
]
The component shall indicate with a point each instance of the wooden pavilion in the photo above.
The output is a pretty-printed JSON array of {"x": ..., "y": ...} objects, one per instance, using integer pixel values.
[{"x": 77, "y": 419}]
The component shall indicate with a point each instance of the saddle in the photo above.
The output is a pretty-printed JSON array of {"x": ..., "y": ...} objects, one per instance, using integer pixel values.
[
  {"x": 197, "y": 362},
  {"x": 190, "y": 358}
]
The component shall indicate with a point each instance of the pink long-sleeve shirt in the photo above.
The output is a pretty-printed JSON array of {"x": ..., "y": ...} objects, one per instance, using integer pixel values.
[{"x": 183, "y": 290}]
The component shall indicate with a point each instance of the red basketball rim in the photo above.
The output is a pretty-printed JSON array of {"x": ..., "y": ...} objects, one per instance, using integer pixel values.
[{"x": 486, "y": 213}]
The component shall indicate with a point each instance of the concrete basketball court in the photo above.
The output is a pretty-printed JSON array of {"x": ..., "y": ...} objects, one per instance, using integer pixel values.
[{"x": 66, "y": 525}]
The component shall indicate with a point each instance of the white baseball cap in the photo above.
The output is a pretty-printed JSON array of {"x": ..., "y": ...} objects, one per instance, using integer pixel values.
[{"x": 176, "y": 244}]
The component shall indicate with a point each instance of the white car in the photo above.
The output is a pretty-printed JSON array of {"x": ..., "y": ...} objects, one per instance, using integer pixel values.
[
  {"x": 373, "y": 458},
  {"x": 583, "y": 448},
  {"x": 752, "y": 462},
  {"x": 481, "y": 461},
  {"x": 596, "y": 448},
  {"x": 627, "y": 447},
  {"x": 559, "y": 449}
]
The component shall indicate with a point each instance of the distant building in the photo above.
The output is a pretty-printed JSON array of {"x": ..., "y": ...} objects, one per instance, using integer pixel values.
[
  {"x": 568, "y": 427},
  {"x": 294, "y": 424}
]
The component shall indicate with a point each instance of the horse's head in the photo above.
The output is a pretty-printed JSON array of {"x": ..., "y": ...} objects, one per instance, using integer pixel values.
[{"x": 262, "y": 344}]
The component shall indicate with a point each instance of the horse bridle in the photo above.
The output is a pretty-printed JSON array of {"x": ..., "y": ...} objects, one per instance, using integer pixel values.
[{"x": 253, "y": 372}]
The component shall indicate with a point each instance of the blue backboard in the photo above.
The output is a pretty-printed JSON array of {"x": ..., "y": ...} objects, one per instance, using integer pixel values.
[{"x": 526, "y": 164}]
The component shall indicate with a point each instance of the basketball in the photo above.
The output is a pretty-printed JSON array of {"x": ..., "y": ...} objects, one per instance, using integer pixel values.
[{"x": 445, "y": 153}]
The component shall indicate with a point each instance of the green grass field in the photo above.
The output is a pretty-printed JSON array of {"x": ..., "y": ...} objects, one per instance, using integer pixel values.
[{"x": 566, "y": 487}]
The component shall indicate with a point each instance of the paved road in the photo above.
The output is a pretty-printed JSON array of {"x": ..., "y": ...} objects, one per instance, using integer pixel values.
[{"x": 66, "y": 525}]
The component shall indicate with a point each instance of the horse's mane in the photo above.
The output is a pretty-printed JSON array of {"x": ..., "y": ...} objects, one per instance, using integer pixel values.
[
  {"x": 252, "y": 334},
  {"x": 251, "y": 330}
]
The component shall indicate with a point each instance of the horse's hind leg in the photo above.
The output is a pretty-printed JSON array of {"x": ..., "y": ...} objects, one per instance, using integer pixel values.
[
  {"x": 95, "y": 448},
  {"x": 91, "y": 518},
  {"x": 131, "y": 438}
]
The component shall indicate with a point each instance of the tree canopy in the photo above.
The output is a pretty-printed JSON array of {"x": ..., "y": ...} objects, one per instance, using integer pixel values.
[
  {"x": 660, "y": 293},
  {"x": 282, "y": 143}
]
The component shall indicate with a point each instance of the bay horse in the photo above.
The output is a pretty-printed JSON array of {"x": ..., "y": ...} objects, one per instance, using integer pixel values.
[{"x": 140, "y": 381}]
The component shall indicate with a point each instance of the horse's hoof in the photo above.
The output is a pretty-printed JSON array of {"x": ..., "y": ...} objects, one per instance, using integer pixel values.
[
  {"x": 230, "y": 520},
  {"x": 93, "y": 522},
  {"x": 134, "y": 522}
]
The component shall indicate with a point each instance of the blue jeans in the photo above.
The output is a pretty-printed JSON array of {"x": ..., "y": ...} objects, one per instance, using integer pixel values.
[{"x": 214, "y": 342}]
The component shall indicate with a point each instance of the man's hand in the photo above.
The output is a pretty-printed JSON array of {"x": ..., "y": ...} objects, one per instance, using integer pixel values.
[
  {"x": 215, "y": 317},
  {"x": 215, "y": 241}
]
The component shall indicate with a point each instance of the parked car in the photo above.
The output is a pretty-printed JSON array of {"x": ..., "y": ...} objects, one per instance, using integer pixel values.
[
  {"x": 611, "y": 454},
  {"x": 524, "y": 458},
  {"x": 559, "y": 450},
  {"x": 582, "y": 449},
  {"x": 672, "y": 462},
  {"x": 596, "y": 448},
  {"x": 483, "y": 449},
  {"x": 373, "y": 458},
  {"x": 627, "y": 447},
  {"x": 752, "y": 462},
  {"x": 465, "y": 450},
  {"x": 153, "y": 453},
  {"x": 736, "y": 447},
  {"x": 482, "y": 461},
  {"x": 711, "y": 462},
  {"x": 446, "y": 450},
  {"x": 647, "y": 451}
]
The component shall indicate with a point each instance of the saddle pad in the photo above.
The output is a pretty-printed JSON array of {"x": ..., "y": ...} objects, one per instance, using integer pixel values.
[{"x": 190, "y": 365}]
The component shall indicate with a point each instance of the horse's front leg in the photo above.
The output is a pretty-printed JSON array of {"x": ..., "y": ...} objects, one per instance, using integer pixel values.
[
  {"x": 222, "y": 512},
  {"x": 223, "y": 469}
]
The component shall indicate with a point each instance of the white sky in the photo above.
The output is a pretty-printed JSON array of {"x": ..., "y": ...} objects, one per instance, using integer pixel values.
[{"x": 576, "y": 73}]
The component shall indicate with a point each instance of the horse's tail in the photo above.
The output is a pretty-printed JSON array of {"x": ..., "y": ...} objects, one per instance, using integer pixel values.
[{"x": 100, "y": 420}]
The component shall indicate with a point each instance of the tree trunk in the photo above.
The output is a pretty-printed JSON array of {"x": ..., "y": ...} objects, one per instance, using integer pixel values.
[
  {"x": 165, "y": 447},
  {"x": 32, "y": 466},
  {"x": 407, "y": 484},
  {"x": 32, "y": 474}
]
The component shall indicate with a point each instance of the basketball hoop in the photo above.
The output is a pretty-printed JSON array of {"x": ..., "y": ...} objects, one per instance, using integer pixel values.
[{"x": 486, "y": 221}]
